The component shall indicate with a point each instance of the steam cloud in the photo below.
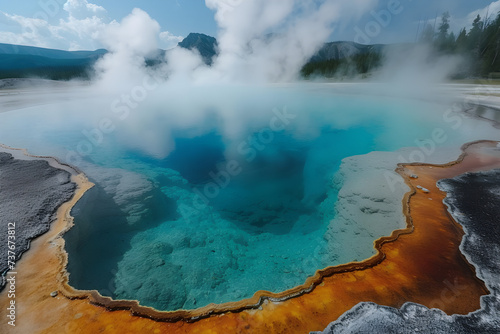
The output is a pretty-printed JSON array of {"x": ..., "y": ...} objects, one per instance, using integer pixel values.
[
  {"x": 269, "y": 40},
  {"x": 260, "y": 43}
]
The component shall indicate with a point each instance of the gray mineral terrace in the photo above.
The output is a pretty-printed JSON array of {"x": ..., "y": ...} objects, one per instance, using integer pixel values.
[{"x": 31, "y": 191}]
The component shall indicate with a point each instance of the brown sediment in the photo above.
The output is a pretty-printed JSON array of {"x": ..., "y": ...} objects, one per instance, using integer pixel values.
[{"x": 421, "y": 264}]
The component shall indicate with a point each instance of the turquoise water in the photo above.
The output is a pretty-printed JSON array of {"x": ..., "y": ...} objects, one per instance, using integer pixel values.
[
  {"x": 263, "y": 230},
  {"x": 212, "y": 209}
]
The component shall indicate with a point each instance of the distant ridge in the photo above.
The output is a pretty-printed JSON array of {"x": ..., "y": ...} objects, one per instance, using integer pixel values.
[
  {"x": 48, "y": 53},
  {"x": 20, "y": 61},
  {"x": 207, "y": 46}
]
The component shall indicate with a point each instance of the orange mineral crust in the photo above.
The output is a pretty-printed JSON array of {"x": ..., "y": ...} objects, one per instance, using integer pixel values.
[{"x": 421, "y": 264}]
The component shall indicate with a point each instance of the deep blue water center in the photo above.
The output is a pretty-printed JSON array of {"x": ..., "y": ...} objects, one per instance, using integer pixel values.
[
  {"x": 214, "y": 234},
  {"x": 210, "y": 199},
  {"x": 195, "y": 158}
]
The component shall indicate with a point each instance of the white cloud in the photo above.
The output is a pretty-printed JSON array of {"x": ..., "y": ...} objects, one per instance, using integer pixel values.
[
  {"x": 458, "y": 23},
  {"x": 82, "y": 33},
  {"x": 489, "y": 12},
  {"x": 81, "y": 9},
  {"x": 169, "y": 40},
  {"x": 82, "y": 27},
  {"x": 80, "y": 30},
  {"x": 28, "y": 31}
]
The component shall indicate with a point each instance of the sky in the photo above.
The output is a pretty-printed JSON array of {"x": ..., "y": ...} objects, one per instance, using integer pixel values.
[{"x": 78, "y": 24}]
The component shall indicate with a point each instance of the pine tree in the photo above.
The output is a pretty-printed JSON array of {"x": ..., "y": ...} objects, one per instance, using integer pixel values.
[
  {"x": 474, "y": 36},
  {"x": 444, "y": 27},
  {"x": 461, "y": 42},
  {"x": 451, "y": 42}
]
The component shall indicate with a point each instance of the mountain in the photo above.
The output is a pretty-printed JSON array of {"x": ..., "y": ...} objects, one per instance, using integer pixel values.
[
  {"x": 48, "y": 53},
  {"x": 206, "y": 46},
  {"x": 19, "y": 61}
]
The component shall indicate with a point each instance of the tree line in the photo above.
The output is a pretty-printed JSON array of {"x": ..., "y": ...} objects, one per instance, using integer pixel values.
[
  {"x": 479, "y": 46},
  {"x": 360, "y": 64}
]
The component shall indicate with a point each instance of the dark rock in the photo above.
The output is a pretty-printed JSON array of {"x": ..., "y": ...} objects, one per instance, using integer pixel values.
[
  {"x": 31, "y": 191},
  {"x": 206, "y": 46}
]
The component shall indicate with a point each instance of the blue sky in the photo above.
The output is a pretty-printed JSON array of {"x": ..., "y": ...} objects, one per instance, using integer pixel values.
[{"x": 56, "y": 28}]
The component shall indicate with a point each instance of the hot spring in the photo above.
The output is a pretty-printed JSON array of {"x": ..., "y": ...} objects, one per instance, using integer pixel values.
[{"x": 209, "y": 194}]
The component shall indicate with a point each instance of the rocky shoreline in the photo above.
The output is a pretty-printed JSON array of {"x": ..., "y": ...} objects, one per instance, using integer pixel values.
[
  {"x": 472, "y": 200},
  {"x": 43, "y": 285},
  {"x": 31, "y": 191}
]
